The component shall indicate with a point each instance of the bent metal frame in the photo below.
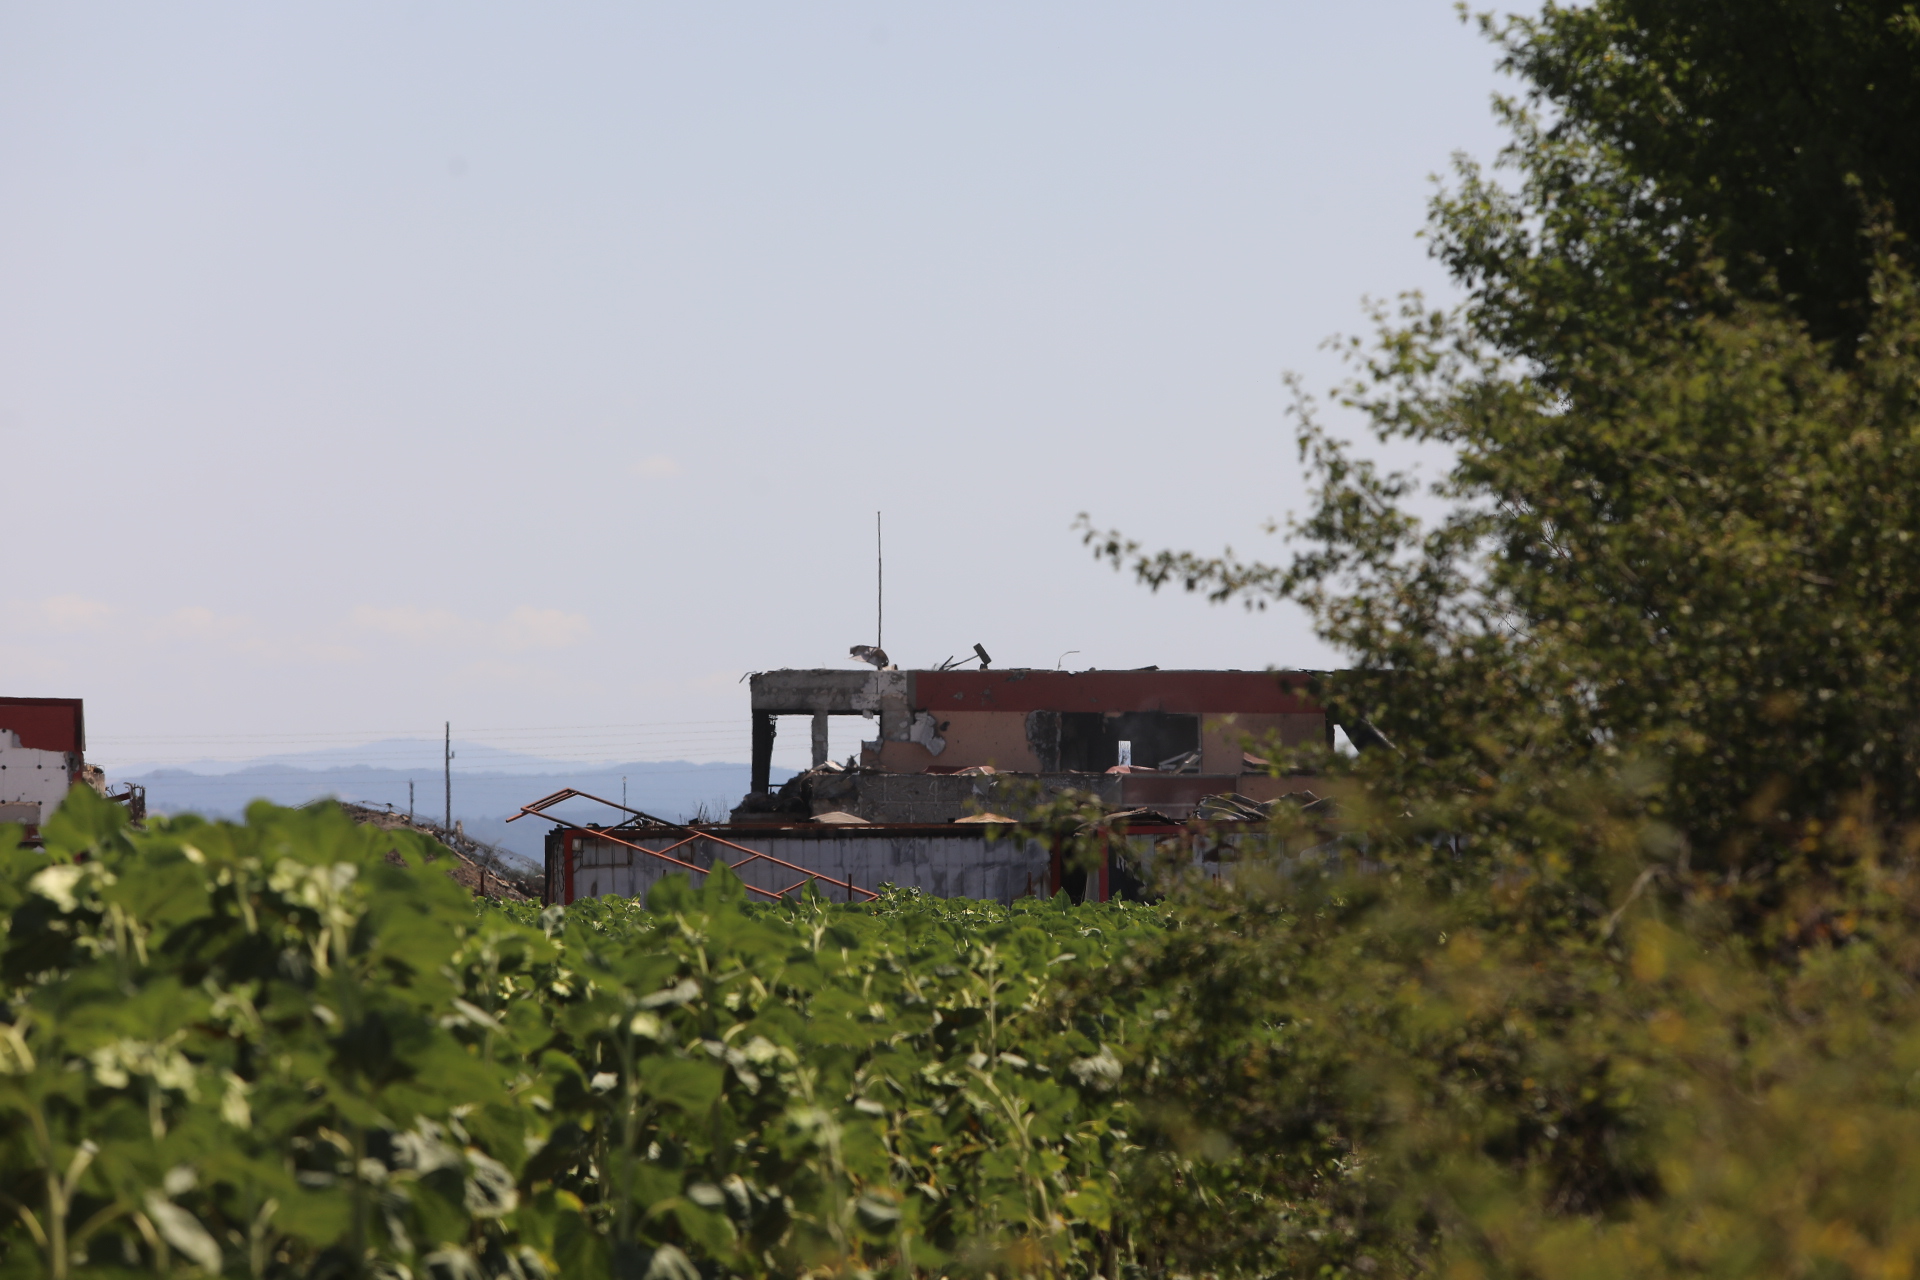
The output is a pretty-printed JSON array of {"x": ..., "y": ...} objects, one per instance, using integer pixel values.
[{"x": 691, "y": 837}]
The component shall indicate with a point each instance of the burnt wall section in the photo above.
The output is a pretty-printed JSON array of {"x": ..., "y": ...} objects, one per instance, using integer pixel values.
[
  {"x": 1090, "y": 740},
  {"x": 1191, "y": 692},
  {"x": 1043, "y": 739},
  {"x": 764, "y": 728}
]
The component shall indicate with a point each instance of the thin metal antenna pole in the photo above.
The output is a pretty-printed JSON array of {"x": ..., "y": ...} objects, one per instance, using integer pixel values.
[
  {"x": 879, "y": 587},
  {"x": 447, "y": 763}
]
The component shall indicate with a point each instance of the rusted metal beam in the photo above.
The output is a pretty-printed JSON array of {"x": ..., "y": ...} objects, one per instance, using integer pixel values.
[
  {"x": 600, "y": 833},
  {"x": 541, "y": 805},
  {"x": 693, "y": 834}
]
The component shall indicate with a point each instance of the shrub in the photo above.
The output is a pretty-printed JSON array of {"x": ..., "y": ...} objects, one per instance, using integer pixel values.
[{"x": 290, "y": 1048}]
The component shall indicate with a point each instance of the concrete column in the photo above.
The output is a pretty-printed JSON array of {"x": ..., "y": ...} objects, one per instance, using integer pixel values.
[
  {"x": 819, "y": 738},
  {"x": 896, "y": 705},
  {"x": 763, "y": 728}
]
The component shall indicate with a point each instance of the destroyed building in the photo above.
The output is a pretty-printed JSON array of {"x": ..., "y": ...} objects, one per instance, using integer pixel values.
[
  {"x": 42, "y": 755},
  {"x": 950, "y": 751},
  {"x": 43, "y": 743},
  {"x": 1155, "y": 739}
]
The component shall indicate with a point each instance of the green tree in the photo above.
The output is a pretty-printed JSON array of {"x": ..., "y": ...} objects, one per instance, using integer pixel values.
[
  {"x": 1615, "y": 975},
  {"x": 1680, "y": 519},
  {"x": 1657, "y": 137}
]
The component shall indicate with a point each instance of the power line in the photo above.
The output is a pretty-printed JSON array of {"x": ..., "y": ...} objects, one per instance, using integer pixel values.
[
  {"x": 393, "y": 746},
  {"x": 662, "y": 753},
  {"x": 249, "y": 776},
  {"x": 401, "y": 744},
  {"x": 375, "y": 734}
]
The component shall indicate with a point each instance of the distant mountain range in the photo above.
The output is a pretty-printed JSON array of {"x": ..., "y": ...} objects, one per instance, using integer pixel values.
[{"x": 489, "y": 785}]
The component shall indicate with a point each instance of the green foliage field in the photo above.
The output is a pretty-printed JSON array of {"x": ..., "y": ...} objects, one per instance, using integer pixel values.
[{"x": 286, "y": 1048}]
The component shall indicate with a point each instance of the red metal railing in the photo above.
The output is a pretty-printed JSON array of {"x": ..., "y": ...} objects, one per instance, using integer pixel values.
[{"x": 693, "y": 836}]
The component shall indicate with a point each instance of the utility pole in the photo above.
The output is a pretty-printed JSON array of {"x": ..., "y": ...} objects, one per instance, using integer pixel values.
[
  {"x": 447, "y": 764},
  {"x": 409, "y": 801},
  {"x": 879, "y": 587}
]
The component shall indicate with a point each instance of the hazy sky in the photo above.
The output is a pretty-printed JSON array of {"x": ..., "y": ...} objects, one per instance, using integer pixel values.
[{"x": 367, "y": 365}]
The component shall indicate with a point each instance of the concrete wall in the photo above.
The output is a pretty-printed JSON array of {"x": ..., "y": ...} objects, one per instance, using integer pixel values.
[
  {"x": 803, "y": 692},
  {"x": 32, "y": 782},
  {"x": 943, "y": 797},
  {"x": 998, "y": 738},
  {"x": 954, "y": 863}
]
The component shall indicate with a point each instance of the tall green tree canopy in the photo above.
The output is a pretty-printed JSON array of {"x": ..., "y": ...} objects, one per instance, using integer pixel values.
[
  {"x": 1626, "y": 979},
  {"x": 1654, "y": 134},
  {"x": 1681, "y": 397}
]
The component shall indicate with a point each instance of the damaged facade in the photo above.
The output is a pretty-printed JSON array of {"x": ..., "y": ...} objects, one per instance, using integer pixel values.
[
  {"x": 1164, "y": 740},
  {"x": 43, "y": 755},
  {"x": 948, "y": 751},
  {"x": 43, "y": 744}
]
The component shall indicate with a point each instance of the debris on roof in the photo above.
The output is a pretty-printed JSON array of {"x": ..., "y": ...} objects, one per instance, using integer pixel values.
[
  {"x": 1229, "y": 807},
  {"x": 1186, "y": 762},
  {"x": 1141, "y": 817}
]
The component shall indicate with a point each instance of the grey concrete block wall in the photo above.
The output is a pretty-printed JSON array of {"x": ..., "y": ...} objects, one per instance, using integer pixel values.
[{"x": 943, "y": 797}]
